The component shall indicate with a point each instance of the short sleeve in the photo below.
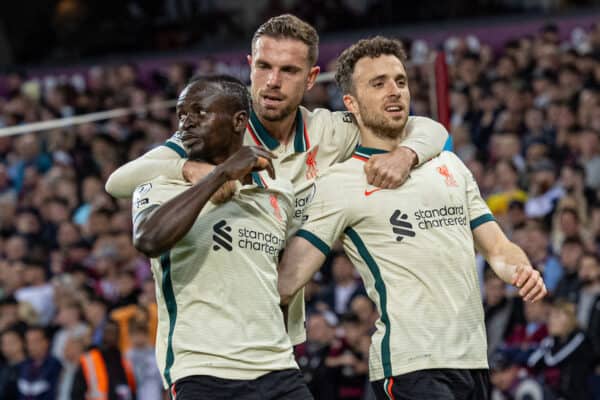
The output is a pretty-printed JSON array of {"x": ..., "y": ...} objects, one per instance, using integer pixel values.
[
  {"x": 326, "y": 216},
  {"x": 425, "y": 137},
  {"x": 147, "y": 195},
  {"x": 345, "y": 134}
]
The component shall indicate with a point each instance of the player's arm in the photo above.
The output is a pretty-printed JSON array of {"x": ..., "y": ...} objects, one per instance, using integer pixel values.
[
  {"x": 424, "y": 139},
  {"x": 327, "y": 217},
  {"x": 157, "y": 229},
  {"x": 301, "y": 259},
  {"x": 163, "y": 160},
  {"x": 168, "y": 160},
  {"x": 509, "y": 261},
  {"x": 506, "y": 258}
]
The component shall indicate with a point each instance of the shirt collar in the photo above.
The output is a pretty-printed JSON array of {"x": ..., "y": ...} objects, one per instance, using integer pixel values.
[
  {"x": 262, "y": 137},
  {"x": 365, "y": 153}
]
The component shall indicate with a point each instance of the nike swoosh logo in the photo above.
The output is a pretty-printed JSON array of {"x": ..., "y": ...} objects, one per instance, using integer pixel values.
[{"x": 370, "y": 192}]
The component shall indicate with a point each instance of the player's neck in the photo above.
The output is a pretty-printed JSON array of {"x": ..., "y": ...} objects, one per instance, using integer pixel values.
[
  {"x": 369, "y": 139},
  {"x": 281, "y": 130}
]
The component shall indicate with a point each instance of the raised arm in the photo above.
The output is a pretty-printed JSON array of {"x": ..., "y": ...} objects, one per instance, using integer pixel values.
[
  {"x": 157, "y": 229},
  {"x": 301, "y": 259},
  {"x": 162, "y": 160},
  {"x": 425, "y": 139},
  {"x": 509, "y": 261}
]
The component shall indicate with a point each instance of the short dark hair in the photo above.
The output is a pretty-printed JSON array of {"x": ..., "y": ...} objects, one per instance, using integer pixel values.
[
  {"x": 14, "y": 331},
  {"x": 372, "y": 47},
  {"x": 232, "y": 87},
  {"x": 289, "y": 26},
  {"x": 572, "y": 240},
  {"x": 41, "y": 329}
]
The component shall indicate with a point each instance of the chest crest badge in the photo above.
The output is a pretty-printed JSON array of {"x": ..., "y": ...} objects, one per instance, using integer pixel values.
[
  {"x": 311, "y": 163},
  {"x": 450, "y": 181}
]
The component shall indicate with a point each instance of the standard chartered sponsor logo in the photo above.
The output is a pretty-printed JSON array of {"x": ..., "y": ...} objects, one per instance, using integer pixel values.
[
  {"x": 301, "y": 204},
  {"x": 440, "y": 217},
  {"x": 221, "y": 236},
  {"x": 248, "y": 239},
  {"x": 267, "y": 242}
]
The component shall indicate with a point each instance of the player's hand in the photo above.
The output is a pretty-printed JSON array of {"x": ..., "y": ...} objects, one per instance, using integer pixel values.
[
  {"x": 530, "y": 283},
  {"x": 246, "y": 160},
  {"x": 224, "y": 193},
  {"x": 194, "y": 171},
  {"x": 390, "y": 170}
]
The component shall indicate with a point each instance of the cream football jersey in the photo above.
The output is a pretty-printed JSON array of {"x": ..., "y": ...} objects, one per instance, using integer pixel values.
[
  {"x": 218, "y": 303},
  {"x": 414, "y": 249}
]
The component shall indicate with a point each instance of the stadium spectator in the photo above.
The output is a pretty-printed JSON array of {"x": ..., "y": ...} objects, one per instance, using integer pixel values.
[
  {"x": 502, "y": 313},
  {"x": 104, "y": 370},
  {"x": 345, "y": 286},
  {"x": 350, "y": 363},
  {"x": 537, "y": 245},
  {"x": 95, "y": 310},
  {"x": 142, "y": 358},
  {"x": 569, "y": 285},
  {"x": 588, "y": 305},
  {"x": 512, "y": 382},
  {"x": 37, "y": 291},
  {"x": 40, "y": 373},
  {"x": 73, "y": 350},
  {"x": 544, "y": 191},
  {"x": 366, "y": 311},
  {"x": 69, "y": 321},
  {"x": 565, "y": 359},
  {"x": 12, "y": 348},
  {"x": 311, "y": 355}
]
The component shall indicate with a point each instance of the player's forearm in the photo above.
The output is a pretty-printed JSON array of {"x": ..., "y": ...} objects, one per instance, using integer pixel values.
[
  {"x": 503, "y": 255},
  {"x": 425, "y": 137},
  {"x": 162, "y": 227},
  {"x": 161, "y": 161},
  {"x": 300, "y": 261},
  {"x": 505, "y": 260}
]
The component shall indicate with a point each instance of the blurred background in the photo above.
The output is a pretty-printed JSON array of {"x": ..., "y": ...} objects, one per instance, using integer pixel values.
[{"x": 517, "y": 83}]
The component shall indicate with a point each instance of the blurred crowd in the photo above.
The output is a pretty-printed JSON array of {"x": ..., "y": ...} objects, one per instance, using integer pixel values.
[{"x": 525, "y": 119}]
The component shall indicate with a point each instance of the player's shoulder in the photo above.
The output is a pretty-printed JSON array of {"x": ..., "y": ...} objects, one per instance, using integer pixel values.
[
  {"x": 160, "y": 184},
  {"x": 342, "y": 172},
  {"x": 449, "y": 160},
  {"x": 423, "y": 122},
  {"x": 323, "y": 115}
]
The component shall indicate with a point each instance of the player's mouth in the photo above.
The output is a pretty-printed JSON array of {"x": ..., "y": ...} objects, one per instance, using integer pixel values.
[
  {"x": 189, "y": 139},
  {"x": 270, "y": 100},
  {"x": 394, "y": 110}
]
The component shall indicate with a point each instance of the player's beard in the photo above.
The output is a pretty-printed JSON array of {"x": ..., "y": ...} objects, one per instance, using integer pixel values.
[
  {"x": 274, "y": 115},
  {"x": 380, "y": 125}
]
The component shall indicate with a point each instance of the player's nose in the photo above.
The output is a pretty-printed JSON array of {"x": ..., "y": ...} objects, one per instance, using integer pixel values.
[{"x": 274, "y": 79}]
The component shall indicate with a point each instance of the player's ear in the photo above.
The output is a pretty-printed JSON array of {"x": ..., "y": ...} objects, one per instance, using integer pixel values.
[
  {"x": 240, "y": 120},
  {"x": 350, "y": 103},
  {"x": 249, "y": 59},
  {"x": 312, "y": 77}
]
